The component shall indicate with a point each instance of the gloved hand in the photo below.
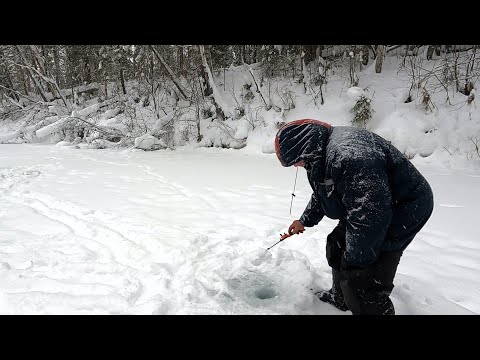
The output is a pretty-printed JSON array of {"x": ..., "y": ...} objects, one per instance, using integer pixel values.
[{"x": 296, "y": 227}]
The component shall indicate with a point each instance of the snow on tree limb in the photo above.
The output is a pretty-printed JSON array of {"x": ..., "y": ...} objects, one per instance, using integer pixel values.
[
  {"x": 57, "y": 125},
  {"x": 88, "y": 110},
  {"x": 103, "y": 144},
  {"x": 149, "y": 142},
  {"x": 49, "y": 129},
  {"x": 103, "y": 129},
  {"x": 160, "y": 123}
]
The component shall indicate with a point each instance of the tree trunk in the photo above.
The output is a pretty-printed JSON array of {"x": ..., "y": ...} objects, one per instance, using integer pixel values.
[
  {"x": 122, "y": 80},
  {"x": 87, "y": 64},
  {"x": 46, "y": 64},
  {"x": 258, "y": 51},
  {"x": 455, "y": 68},
  {"x": 152, "y": 76},
  {"x": 302, "y": 62},
  {"x": 206, "y": 88},
  {"x": 430, "y": 50},
  {"x": 208, "y": 56},
  {"x": 69, "y": 77},
  {"x": 25, "y": 82},
  {"x": 86, "y": 70},
  {"x": 310, "y": 53},
  {"x": 134, "y": 65},
  {"x": 220, "y": 104},
  {"x": 379, "y": 60},
  {"x": 180, "y": 59},
  {"x": 56, "y": 61},
  {"x": 199, "y": 119},
  {"x": 365, "y": 55},
  {"x": 468, "y": 72}
]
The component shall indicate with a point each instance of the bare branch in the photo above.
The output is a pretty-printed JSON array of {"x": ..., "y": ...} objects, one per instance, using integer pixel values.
[
  {"x": 258, "y": 90},
  {"x": 393, "y": 48},
  {"x": 475, "y": 142},
  {"x": 170, "y": 72}
]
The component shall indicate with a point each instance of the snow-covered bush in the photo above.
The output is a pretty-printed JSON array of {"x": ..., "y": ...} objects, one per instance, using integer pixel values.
[{"x": 362, "y": 111}]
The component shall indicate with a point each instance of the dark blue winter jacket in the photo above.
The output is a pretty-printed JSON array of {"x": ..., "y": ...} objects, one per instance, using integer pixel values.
[{"x": 363, "y": 180}]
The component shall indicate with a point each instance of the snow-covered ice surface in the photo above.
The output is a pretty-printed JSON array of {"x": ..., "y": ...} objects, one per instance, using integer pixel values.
[{"x": 184, "y": 232}]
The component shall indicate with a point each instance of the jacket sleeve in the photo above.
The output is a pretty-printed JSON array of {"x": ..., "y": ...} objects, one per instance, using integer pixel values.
[
  {"x": 366, "y": 195},
  {"x": 313, "y": 213}
]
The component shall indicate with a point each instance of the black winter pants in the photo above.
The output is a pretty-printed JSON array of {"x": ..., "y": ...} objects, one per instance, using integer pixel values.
[{"x": 366, "y": 291}]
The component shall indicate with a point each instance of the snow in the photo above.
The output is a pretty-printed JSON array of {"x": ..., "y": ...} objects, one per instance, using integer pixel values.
[
  {"x": 355, "y": 93},
  {"x": 127, "y": 231},
  {"x": 184, "y": 232},
  {"x": 147, "y": 142}
]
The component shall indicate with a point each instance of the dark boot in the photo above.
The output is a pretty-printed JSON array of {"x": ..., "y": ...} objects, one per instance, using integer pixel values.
[{"x": 334, "y": 296}]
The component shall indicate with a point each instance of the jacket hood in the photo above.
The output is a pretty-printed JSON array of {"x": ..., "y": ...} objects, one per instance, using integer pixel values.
[{"x": 301, "y": 140}]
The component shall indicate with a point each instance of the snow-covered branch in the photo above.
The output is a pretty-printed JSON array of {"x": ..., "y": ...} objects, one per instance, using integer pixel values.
[
  {"x": 49, "y": 129},
  {"x": 161, "y": 122}
]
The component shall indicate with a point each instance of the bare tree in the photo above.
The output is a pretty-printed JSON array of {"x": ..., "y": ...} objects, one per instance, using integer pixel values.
[
  {"x": 430, "y": 51},
  {"x": 310, "y": 53},
  {"x": 365, "y": 54},
  {"x": 56, "y": 60},
  {"x": 379, "y": 60},
  {"x": 469, "y": 72},
  {"x": 31, "y": 74}
]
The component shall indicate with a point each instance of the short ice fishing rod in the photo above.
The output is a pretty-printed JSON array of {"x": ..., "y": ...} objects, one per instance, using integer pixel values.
[{"x": 282, "y": 237}]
